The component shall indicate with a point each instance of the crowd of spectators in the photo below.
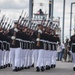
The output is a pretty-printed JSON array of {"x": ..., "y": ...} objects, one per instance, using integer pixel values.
[{"x": 64, "y": 51}]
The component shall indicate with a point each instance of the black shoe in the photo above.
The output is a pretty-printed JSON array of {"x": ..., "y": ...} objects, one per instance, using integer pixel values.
[
  {"x": 32, "y": 65},
  {"x": 25, "y": 67},
  {"x": 21, "y": 68},
  {"x": 37, "y": 69},
  {"x": 47, "y": 67},
  {"x": 9, "y": 65},
  {"x": 13, "y": 70},
  {"x": 57, "y": 59},
  {"x": 0, "y": 67},
  {"x": 4, "y": 66},
  {"x": 73, "y": 68},
  {"x": 28, "y": 67},
  {"x": 42, "y": 69},
  {"x": 16, "y": 69},
  {"x": 52, "y": 66}
]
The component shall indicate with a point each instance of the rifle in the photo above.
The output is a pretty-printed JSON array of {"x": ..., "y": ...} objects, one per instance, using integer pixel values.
[
  {"x": 22, "y": 20},
  {"x": 2, "y": 24},
  {"x": 20, "y": 17},
  {"x": 25, "y": 21},
  {"x": 47, "y": 23},
  {"x": 10, "y": 25},
  {"x": 31, "y": 25},
  {"x": 2, "y": 19},
  {"x": 6, "y": 23}
]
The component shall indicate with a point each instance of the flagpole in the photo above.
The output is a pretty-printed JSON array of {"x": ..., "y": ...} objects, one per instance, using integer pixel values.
[
  {"x": 63, "y": 23},
  {"x": 30, "y": 9}
]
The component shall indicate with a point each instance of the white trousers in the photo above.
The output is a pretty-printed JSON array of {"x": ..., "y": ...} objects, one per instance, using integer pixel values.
[
  {"x": 73, "y": 58},
  {"x": 26, "y": 58},
  {"x": 22, "y": 58},
  {"x": 54, "y": 54},
  {"x": 40, "y": 61},
  {"x": 48, "y": 57},
  {"x": 3, "y": 57},
  {"x": 0, "y": 57},
  {"x": 30, "y": 57},
  {"x": 7, "y": 57},
  {"x": 35, "y": 54},
  {"x": 18, "y": 57},
  {"x": 12, "y": 57}
]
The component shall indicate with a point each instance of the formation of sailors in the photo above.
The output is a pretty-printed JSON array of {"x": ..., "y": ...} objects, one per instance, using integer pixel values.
[{"x": 21, "y": 48}]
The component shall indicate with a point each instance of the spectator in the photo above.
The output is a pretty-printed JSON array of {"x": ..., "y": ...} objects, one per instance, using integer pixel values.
[
  {"x": 63, "y": 51},
  {"x": 69, "y": 52},
  {"x": 59, "y": 52}
]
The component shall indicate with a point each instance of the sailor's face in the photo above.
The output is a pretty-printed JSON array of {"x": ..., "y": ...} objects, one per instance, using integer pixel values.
[
  {"x": 25, "y": 29},
  {"x": 38, "y": 27},
  {"x": 15, "y": 26},
  {"x": 0, "y": 27},
  {"x": 41, "y": 27}
]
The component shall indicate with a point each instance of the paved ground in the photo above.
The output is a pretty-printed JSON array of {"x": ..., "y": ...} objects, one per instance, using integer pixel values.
[{"x": 62, "y": 68}]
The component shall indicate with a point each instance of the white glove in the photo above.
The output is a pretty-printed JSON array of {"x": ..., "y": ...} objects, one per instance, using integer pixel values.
[
  {"x": 40, "y": 31},
  {"x": 57, "y": 42},
  {"x": 16, "y": 30},
  {"x": 71, "y": 52},
  {"x": 13, "y": 37},
  {"x": 38, "y": 39}
]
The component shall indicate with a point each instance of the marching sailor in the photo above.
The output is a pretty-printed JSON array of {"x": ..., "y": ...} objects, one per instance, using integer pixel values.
[
  {"x": 15, "y": 49},
  {"x": 1, "y": 49},
  {"x": 72, "y": 45},
  {"x": 55, "y": 40},
  {"x": 39, "y": 49}
]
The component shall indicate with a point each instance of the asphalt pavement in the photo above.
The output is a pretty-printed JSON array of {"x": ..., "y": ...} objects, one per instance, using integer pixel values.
[{"x": 62, "y": 68}]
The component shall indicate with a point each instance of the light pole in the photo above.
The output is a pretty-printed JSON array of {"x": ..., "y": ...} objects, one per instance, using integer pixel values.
[
  {"x": 51, "y": 6},
  {"x": 74, "y": 23},
  {"x": 63, "y": 20},
  {"x": 71, "y": 17},
  {"x": 30, "y": 9}
]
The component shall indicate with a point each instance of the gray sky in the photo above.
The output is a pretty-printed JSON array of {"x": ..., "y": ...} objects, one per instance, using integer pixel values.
[{"x": 13, "y": 8}]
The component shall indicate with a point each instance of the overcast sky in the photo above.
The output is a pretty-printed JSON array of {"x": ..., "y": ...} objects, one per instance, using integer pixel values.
[{"x": 13, "y": 8}]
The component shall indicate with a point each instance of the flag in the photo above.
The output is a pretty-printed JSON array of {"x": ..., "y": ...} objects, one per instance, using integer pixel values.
[{"x": 38, "y": 12}]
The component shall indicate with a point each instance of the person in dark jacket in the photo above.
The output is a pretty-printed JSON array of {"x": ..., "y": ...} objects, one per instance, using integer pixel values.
[{"x": 72, "y": 45}]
